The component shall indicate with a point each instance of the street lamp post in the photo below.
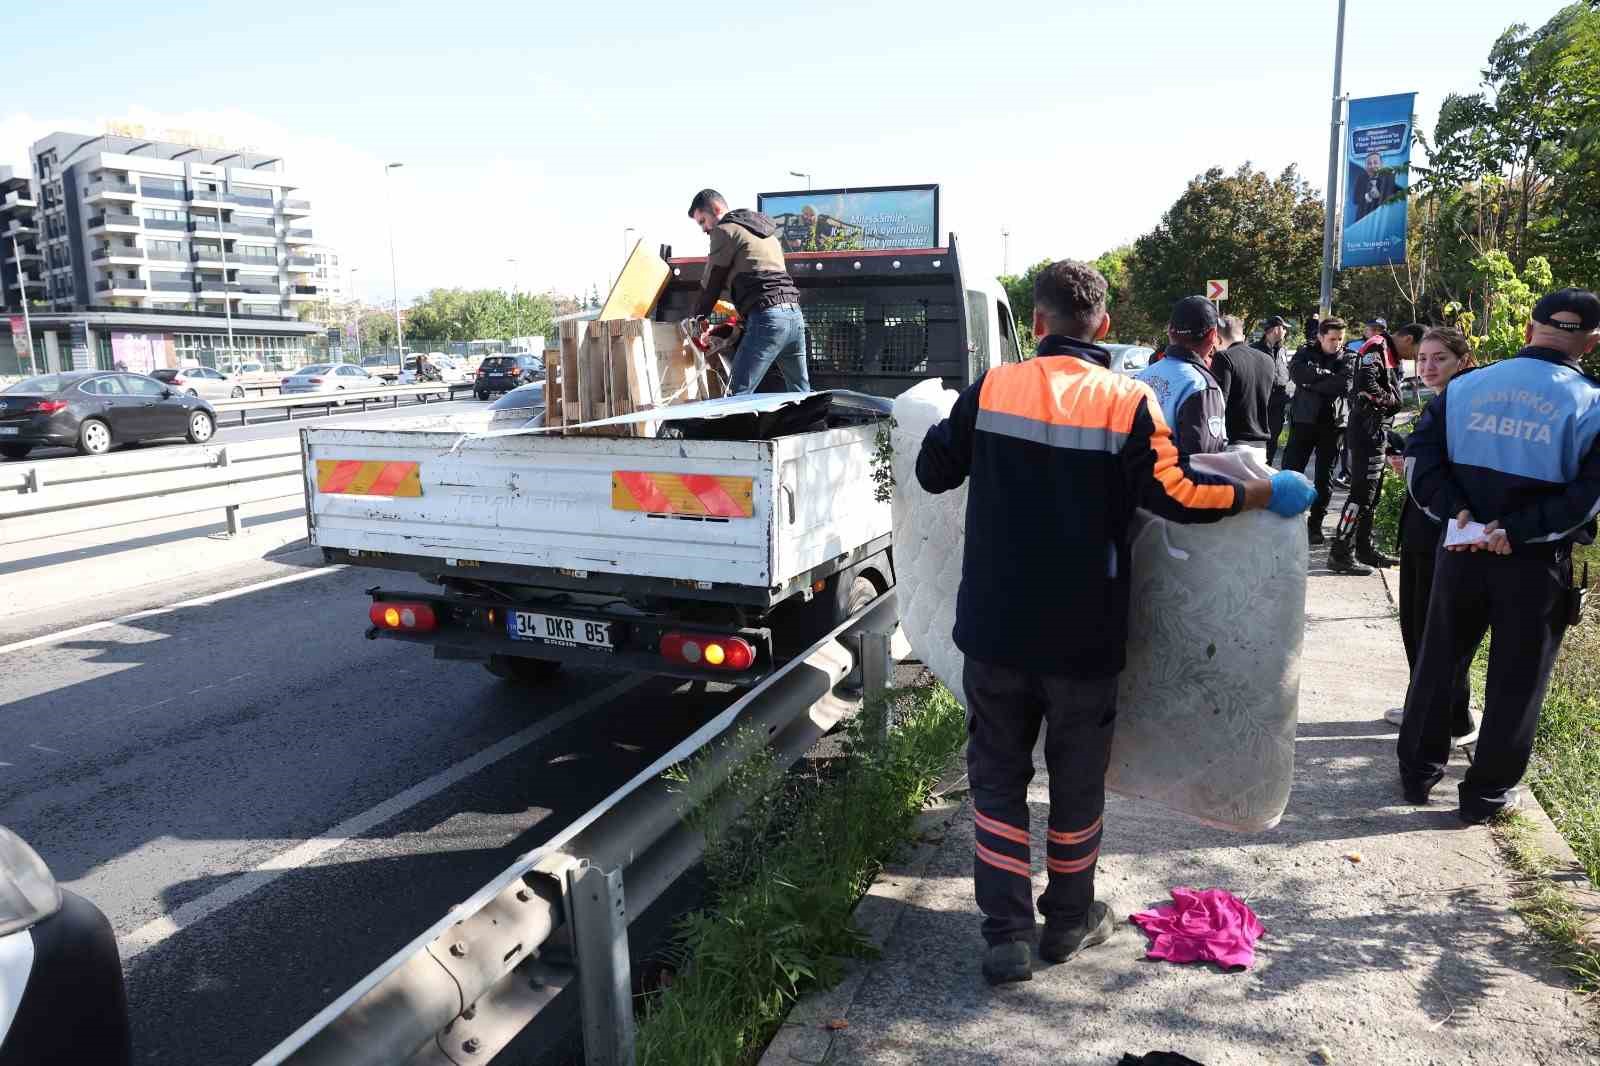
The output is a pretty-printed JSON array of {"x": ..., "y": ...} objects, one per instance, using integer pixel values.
[
  {"x": 1005, "y": 251},
  {"x": 626, "y": 247},
  {"x": 357, "y": 297},
  {"x": 1325, "y": 304},
  {"x": 394, "y": 274},
  {"x": 27, "y": 319},
  {"x": 801, "y": 174}
]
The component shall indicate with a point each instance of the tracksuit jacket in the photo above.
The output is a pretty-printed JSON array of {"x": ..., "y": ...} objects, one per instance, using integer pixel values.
[
  {"x": 1060, "y": 450},
  {"x": 1191, "y": 401}
]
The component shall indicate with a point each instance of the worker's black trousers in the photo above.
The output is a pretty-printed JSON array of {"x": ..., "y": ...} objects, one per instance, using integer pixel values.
[
  {"x": 1416, "y": 589},
  {"x": 1366, "y": 476},
  {"x": 1321, "y": 438},
  {"x": 1522, "y": 599},
  {"x": 1277, "y": 410},
  {"x": 1005, "y": 708}
]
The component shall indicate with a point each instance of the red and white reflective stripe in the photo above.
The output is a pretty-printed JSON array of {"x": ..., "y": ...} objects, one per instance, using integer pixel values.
[
  {"x": 1004, "y": 862},
  {"x": 1073, "y": 866},
  {"x": 998, "y": 828},
  {"x": 1075, "y": 838}
]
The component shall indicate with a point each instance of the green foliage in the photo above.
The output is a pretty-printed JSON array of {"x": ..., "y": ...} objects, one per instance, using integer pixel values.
[
  {"x": 478, "y": 314},
  {"x": 1019, "y": 294},
  {"x": 1262, "y": 234},
  {"x": 1508, "y": 303},
  {"x": 1130, "y": 323},
  {"x": 883, "y": 462},
  {"x": 785, "y": 878}
]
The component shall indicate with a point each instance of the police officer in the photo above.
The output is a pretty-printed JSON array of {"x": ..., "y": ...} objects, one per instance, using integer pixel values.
[
  {"x": 1373, "y": 402},
  {"x": 1273, "y": 342},
  {"x": 1190, "y": 398},
  {"x": 1516, "y": 446},
  {"x": 1059, "y": 450},
  {"x": 1322, "y": 371}
]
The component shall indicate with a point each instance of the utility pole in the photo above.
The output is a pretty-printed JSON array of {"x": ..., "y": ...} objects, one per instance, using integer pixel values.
[
  {"x": 394, "y": 275},
  {"x": 27, "y": 319},
  {"x": 1005, "y": 252},
  {"x": 227, "y": 303},
  {"x": 357, "y": 298},
  {"x": 1335, "y": 144}
]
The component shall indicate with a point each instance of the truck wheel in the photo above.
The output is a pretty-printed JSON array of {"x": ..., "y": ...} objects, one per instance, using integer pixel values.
[
  {"x": 522, "y": 671},
  {"x": 862, "y": 592}
]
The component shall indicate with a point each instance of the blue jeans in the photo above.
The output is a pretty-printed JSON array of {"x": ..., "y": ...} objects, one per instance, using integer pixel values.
[{"x": 776, "y": 335}]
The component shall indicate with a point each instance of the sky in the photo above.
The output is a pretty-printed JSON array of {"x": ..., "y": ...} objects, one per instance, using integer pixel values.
[{"x": 535, "y": 135}]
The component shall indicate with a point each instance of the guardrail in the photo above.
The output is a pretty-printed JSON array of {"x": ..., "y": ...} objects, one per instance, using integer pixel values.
[
  {"x": 505, "y": 958},
  {"x": 327, "y": 401},
  {"x": 64, "y": 496}
]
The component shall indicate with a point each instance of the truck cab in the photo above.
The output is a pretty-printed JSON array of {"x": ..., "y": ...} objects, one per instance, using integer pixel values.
[{"x": 880, "y": 321}]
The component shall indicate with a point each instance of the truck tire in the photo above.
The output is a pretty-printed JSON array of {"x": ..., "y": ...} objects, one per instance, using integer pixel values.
[{"x": 522, "y": 671}]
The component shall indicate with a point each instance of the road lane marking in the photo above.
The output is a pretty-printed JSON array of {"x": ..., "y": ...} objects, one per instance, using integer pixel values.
[
  {"x": 301, "y": 855},
  {"x": 156, "y": 612}
]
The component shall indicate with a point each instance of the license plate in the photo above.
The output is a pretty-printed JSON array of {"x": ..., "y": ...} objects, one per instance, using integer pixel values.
[
  {"x": 555, "y": 629},
  {"x": 9, "y": 431}
]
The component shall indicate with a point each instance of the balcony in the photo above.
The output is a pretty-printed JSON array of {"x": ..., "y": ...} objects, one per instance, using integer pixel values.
[
  {"x": 15, "y": 200},
  {"x": 167, "y": 257},
  {"x": 247, "y": 229},
  {"x": 261, "y": 298},
  {"x": 296, "y": 208},
  {"x": 207, "y": 198},
  {"x": 109, "y": 189},
  {"x": 166, "y": 291},
  {"x": 123, "y": 286},
  {"x": 112, "y": 221},
  {"x": 206, "y": 255},
  {"x": 117, "y": 255},
  {"x": 173, "y": 225},
  {"x": 298, "y": 236},
  {"x": 249, "y": 199},
  {"x": 28, "y": 255},
  {"x": 185, "y": 287},
  {"x": 299, "y": 264},
  {"x": 304, "y": 292},
  {"x": 255, "y": 266},
  {"x": 153, "y": 192},
  {"x": 33, "y": 283},
  {"x": 20, "y": 229}
]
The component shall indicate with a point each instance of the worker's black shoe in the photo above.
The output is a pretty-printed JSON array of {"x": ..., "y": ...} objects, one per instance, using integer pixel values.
[
  {"x": 1416, "y": 794},
  {"x": 1314, "y": 530},
  {"x": 1061, "y": 942},
  {"x": 1008, "y": 962},
  {"x": 1340, "y": 561},
  {"x": 1477, "y": 814},
  {"x": 1373, "y": 557}
]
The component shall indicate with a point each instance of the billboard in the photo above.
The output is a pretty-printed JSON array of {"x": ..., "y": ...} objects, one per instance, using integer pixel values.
[
  {"x": 133, "y": 351},
  {"x": 23, "y": 344},
  {"x": 840, "y": 220},
  {"x": 1377, "y": 162}
]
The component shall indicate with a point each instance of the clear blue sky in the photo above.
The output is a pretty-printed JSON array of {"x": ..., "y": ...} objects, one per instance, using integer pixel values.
[{"x": 539, "y": 132}]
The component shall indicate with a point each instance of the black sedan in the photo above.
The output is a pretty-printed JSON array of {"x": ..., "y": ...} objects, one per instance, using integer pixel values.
[
  {"x": 92, "y": 410},
  {"x": 502, "y": 373}
]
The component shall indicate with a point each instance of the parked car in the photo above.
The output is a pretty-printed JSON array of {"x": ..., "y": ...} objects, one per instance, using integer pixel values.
[
  {"x": 522, "y": 406},
  {"x": 202, "y": 381},
  {"x": 1129, "y": 358},
  {"x": 62, "y": 997},
  {"x": 92, "y": 410},
  {"x": 328, "y": 377},
  {"x": 502, "y": 373}
]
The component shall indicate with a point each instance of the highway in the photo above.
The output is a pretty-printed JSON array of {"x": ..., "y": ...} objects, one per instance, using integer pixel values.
[
  {"x": 267, "y": 805},
  {"x": 265, "y": 425}
]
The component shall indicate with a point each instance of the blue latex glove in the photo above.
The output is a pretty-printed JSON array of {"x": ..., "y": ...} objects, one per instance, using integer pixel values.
[{"x": 1292, "y": 493}]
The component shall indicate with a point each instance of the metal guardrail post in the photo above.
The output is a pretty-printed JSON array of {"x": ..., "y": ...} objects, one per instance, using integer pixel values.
[
  {"x": 876, "y": 665},
  {"x": 597, "y": 915}
]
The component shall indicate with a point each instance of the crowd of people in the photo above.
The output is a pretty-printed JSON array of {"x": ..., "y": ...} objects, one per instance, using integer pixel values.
[{"x": 1503, "y": 479}]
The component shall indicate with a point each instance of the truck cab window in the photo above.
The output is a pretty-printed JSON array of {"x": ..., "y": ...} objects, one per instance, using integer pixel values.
[
  {"x": 978, "y": 334},
  {"x": 1010, "y": 347}
]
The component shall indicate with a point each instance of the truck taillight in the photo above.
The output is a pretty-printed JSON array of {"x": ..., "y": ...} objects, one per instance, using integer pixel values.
[
  {"x": 404, "y": 617},
  {"x": 701, "y": 649}
]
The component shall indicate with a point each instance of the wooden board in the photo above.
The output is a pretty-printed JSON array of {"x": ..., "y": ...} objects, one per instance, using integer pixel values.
[
  {"x": 641, "y": 283},
  {"x": 552, "y": 387},
  {"x": 572, "y": 387}
]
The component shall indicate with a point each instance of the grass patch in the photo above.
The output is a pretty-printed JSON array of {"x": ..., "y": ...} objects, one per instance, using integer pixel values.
[
  {"x": 1544, "y": 906},
  {"x": 784, "y": 879}
]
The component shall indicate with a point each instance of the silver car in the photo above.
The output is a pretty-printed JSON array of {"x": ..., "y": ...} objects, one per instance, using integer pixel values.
[
  {"x": 1129, "y": 358},
  {"x": 328, "y": 378},
  {"x": 202, "y": 381}
]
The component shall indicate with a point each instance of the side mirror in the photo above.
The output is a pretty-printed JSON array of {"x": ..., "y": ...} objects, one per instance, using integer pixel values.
[{"x": 167, "y": 394}]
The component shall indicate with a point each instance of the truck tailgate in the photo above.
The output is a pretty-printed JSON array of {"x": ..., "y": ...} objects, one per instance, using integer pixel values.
[{"x": 564, "y": 503}]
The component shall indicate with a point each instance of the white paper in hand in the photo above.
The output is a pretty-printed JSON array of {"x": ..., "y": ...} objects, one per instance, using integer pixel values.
[{"x": 1471, "y": 533}]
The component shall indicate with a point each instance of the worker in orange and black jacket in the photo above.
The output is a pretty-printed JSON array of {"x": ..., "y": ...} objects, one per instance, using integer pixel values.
[{"x": 1042, "y": 612}]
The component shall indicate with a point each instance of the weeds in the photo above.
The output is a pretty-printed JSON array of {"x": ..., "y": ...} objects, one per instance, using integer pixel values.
[
  {"x": 1547, "y": 909},
  {"x": 784, "y": 879}
]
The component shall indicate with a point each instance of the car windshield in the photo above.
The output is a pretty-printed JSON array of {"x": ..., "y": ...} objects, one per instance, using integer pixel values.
[
  {"x": 526, "y": 396},
  {"x": 307, "y": 371},
  {"x": 498, "y": 362},
  {"x": 164, "y": 375},
  {"x": 42, "y": 383}
]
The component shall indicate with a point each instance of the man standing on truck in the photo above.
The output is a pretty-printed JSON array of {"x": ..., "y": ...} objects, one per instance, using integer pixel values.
[
  {"x": 1042, "y": 612},
  {"x": 1191, "y": 400},
  {"x": 746, "y": 259}
]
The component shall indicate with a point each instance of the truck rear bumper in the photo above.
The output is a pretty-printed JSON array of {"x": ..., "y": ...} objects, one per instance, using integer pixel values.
[{"x": 467, "y": 628}]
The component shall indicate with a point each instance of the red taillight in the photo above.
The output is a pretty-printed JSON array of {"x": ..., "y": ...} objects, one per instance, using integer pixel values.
[
  {"x": 514, "y": 372},
  {"x": 405, "y": 617},
  {"x": 179, "y": 379},
  {"x": 315, "y": 381},
  {"x": 707, "y": 650},
  {"x": 45, "y": 407}
]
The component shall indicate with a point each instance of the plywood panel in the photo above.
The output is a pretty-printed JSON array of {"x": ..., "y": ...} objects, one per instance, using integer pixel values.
[{"x": 639, "y": 286}]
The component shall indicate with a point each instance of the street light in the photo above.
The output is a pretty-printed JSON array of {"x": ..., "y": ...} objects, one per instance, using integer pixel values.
[
  {"x": 394, "y": 274},
  {"x": 356, "y": 296},
  {"x": 801, "y": 174},
  {"x": 626, "y": 247}
]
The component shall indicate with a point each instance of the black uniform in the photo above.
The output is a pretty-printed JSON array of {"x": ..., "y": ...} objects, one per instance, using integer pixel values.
[
  {"x": 1516, "y": 443},
  {"x": 1322, "y": 384},
  {"x": 1373, "y": 402},
  {"x": 1282, "y": 393},
  {"x": 1245, "y": 375},
  {"x": 1419, "y": 548}
]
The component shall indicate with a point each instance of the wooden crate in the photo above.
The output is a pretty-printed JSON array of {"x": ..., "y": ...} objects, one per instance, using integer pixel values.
[{"x": 620, "y": 367}]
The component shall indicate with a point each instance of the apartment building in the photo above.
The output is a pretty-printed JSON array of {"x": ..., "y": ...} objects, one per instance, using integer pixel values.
[
  {"x": 20, "y": 259},
  {"x": 189, "y": 253}
]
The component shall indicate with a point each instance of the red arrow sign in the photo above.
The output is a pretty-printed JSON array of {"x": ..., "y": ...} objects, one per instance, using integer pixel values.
[{"x": 1217, "y": 289}]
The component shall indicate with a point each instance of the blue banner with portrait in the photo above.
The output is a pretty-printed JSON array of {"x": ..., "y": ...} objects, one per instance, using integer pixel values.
[
  {"x": 840, "y": 220},
  {"x": 1377, "y": 171}
]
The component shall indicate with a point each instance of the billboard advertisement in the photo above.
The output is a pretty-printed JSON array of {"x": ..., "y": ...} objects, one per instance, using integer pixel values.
[
  {"x": 133, "y": 351},
  {"x": 22, "y": 343},
  {"x": 847, "y": 220},
  {"x": 1377, "y": 162}
]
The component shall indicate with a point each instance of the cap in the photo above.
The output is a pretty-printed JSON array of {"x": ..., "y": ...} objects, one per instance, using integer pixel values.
[
  {"x": 1580, "y": 302},
  {"x": 1193, "y": 316},
  {"x": 1381, "y": 323},
  {"x": 1276, "y": 320}
]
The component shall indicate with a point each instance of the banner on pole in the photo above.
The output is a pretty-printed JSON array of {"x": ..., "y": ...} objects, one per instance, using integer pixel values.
[
  {"x": 22, "y": 343},
  {"x": 1377, "y": 167}
]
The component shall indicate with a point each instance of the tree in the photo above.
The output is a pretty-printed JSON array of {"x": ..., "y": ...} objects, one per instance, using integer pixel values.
[
  {"x": 1019, "y": 294},
  {"x": 1130, "y": 323},
  {"x": 477, "y": 314},
  {"x": 1263, "y": 235}
]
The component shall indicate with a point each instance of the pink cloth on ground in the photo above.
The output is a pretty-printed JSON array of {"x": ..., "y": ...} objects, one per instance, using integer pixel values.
[{"x": 1210, "y": 925}]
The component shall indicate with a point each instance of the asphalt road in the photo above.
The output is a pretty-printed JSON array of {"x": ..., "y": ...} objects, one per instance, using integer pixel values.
[
  {"x": 272, "y": 423},
  {"x": 267, "y": 805}
]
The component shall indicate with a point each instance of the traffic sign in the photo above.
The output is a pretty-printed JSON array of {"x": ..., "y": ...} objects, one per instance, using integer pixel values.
[{"x": 1217, "y": 289}]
